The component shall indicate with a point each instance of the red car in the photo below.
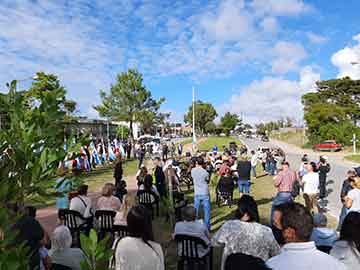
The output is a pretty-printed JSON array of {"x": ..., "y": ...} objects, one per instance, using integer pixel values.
[{"x": 329, "y": 145}]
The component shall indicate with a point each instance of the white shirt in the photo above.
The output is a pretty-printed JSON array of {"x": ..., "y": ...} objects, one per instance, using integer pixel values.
[
  {"x": 304, "y": 256},
  {"x": 254, "y": 160},
  {"x": 354, "y": 195},
  {"x": 81, "y": 204},
  {"x": 311, "y": 183},
  {"x": 133, "y": 253}
]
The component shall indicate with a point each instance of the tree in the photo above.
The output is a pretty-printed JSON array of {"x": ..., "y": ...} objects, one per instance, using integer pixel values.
[
  {"x": 334, "y": 106},
  {"x": 229, "y": 121},
  {"x": 123, "y": 132},
  {"x": 129, "y": 100},
  {"x": 210, "y": 127},
  {"x": 31, "y": 148},
  {"x": 204, "y": 114}
]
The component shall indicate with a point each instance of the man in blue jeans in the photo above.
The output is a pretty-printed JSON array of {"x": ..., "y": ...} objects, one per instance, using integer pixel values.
[
  {"x": 284, "y": 182},
  {"x": 244, "y": 170},
  {"x": 201, "y": 189}
]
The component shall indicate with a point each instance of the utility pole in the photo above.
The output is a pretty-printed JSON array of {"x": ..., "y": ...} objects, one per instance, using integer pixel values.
[
  {"x": 194, "y": 132},
  {"x": 354, "y": 141}
]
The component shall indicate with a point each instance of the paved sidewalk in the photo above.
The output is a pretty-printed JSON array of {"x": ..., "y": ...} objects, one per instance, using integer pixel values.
[{"x": 48, "y": 216}]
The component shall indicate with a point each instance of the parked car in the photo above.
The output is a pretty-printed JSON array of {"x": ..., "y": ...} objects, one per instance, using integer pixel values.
[{"x": 329, "y": 145}]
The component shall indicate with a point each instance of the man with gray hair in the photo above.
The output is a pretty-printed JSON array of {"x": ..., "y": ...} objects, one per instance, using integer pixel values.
[
  {"x": 189, "y": 226},
  {"x": 321, "y": 235},
  {"x": 61, "y": 251}
]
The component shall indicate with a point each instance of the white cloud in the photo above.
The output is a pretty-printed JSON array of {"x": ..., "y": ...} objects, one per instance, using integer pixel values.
[
  {"x": 315, "y": 38},
  {"x": 269, "y": 25},
  {"x": 288, "y": 55},
  {"x": 346, "y": 58},
  {"x": 273, "y": 98},
  {"x": 280, "y": 7}
]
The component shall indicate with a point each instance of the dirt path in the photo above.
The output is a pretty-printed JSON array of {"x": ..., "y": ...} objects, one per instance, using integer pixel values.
[{"x": 48, "y": 216}]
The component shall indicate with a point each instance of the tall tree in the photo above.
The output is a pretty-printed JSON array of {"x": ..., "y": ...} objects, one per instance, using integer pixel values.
[
  {"x": 229, "y": 121},
  {"x": 334, "y": 106},
  {"x": 204, "y": 113},
  {"x": 129, "y": 100}
]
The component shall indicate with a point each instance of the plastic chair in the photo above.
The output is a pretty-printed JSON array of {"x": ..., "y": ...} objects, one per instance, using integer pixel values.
[
  {"x": 325, "y": 249},
  {"x": 76, "y": 223},
  {"x": 150, "y": 201},
  {"x": 224, "y": 196},
  {"x": 189, "y": 253},
  {"x": 56, "y": 266},
  {"x": 120, "y": 231},
  {"x": 104, "y": 222}
]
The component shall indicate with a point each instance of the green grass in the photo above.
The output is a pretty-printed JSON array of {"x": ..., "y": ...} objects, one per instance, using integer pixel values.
[
  {"x": 207, "y": 143},
  {"x": 354, "y": 158}
]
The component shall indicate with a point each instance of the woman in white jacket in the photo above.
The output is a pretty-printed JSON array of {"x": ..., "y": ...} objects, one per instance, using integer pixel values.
[{"x": 347, "y": 249}]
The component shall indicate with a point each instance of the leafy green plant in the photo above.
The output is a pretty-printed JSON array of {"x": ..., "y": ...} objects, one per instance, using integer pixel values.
[{"x": 97, "y": 252}]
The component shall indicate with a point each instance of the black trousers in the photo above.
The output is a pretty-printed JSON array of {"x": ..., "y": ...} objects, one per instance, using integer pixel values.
[{"x": 322, "y": 187}]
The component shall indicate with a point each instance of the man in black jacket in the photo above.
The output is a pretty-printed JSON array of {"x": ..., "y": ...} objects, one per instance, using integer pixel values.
[
  {"x": 159, "y": 177},
  {"x": 324, "y": 169}
]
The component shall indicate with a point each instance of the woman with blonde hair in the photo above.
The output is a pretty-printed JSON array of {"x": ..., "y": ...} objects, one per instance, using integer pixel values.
[
  {"x": 121, "y": 215},
  {"x": 108, "y": 201}
]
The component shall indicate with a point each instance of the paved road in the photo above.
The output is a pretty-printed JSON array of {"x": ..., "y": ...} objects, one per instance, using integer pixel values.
[{"x": 335, "y": 177}]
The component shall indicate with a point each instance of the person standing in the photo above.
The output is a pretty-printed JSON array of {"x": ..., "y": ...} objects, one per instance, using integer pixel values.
[
  {"x": 324, "y": 169},
  {"x": 284, "y": 183},
  {"x": 165, "y": 151},
  {"x": 244, "y": 170},
  {"x": 201, "y": 189},
  {"x": 311, "y": 187},
  {"x": 159, "y": 177},
  {"x": 141, "y": 154},
  {"x": 352, "y": 199},
  {"x": 254, "y": 161},
  {"x": 118, "y": 170},
  {"x": 180, "y": 149},
  {"x": 346, "y": 187}
]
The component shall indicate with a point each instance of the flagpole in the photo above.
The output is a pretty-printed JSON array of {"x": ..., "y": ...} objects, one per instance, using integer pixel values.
[{"x": 194, "y": 132}]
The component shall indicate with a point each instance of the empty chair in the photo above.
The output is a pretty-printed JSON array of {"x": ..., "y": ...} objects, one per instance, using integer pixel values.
[
  {"x": 188, "y": 252},
  {"x": 104, "y": 222},
  {"x": 224, "y": 196},
  {"x": 120, "y": 231}
]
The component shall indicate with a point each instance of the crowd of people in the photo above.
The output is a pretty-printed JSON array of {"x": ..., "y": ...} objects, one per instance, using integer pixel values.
[{"x": 296, "y": 237}]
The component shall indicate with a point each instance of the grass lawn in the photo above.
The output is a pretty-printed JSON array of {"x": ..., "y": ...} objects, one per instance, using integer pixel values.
[
  {"x": 354, "y": 158},
  {"x": 209, "y": 142}
]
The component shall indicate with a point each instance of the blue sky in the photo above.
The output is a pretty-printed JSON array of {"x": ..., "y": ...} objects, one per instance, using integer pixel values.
[{"x": 255, "y": 57}]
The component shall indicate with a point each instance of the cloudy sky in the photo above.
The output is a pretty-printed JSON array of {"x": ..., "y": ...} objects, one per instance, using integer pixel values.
[{"x": 255, "y": 57}]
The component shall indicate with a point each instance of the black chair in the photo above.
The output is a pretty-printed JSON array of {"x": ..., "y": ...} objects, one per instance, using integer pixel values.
[
  {"x": 224, "y": 196},
  {"x": 120, "y": 231},
  {"x": 150, "y": 200},
  {"x": 76, "y": 223},
  {"x": 56, "y": 266},
  {"x": 188, "y": 253},
  {"x": 104, "y": 222},
  {"x": 325, "y": 249},
  {"x": 179, "y": 203},
  {"x": 243, "y": 261}
]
